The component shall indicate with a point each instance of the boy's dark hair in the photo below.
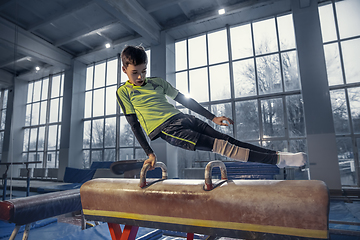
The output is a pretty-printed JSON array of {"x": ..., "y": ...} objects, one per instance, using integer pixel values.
[{"x": 134, "y": 55}]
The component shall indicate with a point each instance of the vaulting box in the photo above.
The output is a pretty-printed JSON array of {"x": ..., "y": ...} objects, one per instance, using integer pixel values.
[{"x": 250, "y": 209}]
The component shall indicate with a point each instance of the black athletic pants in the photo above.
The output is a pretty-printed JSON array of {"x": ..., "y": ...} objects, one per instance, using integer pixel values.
[{"x": 189, "y": 132}]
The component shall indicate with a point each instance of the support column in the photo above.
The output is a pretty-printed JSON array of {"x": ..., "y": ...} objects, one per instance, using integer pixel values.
[
  {"x": 73, "y": 113},
  {"x": 163, "y": 65},
  {"x": 321, "y": 139}
]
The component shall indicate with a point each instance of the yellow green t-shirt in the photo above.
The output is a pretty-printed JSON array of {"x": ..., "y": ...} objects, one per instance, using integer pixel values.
[{"x": 148, "y": 102}]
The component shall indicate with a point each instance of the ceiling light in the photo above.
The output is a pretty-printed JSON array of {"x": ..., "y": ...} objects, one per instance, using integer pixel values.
[
  {"x": 37, "y": 68},
  {"x": 107, "y": 45},
  {"x": 221, "y": 11}
]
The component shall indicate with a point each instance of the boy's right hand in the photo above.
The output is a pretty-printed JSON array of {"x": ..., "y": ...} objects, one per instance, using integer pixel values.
[
  {"x": 220, "y": 121},
  {"x": 151, "y": 160}
]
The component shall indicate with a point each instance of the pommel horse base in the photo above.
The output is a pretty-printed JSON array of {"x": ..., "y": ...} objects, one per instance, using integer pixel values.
[{"x": 247, "y": 209}]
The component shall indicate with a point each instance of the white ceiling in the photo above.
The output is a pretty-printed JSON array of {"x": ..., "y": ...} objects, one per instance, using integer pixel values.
[{"x": 51, "y": 33}]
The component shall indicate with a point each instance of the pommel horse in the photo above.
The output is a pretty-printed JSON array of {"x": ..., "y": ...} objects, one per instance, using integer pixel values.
[{"x": 247, "y": 209}]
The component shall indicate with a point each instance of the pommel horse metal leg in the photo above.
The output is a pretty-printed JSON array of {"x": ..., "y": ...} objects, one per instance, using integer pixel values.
[
  {"x": 129, "y": 232},
  {"x": 15, "y": 232}
]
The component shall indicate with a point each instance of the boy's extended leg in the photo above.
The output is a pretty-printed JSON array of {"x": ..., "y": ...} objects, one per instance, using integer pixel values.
[
  {"x": 225, "y": 148},
  {"x": 209, "y": 131},
  {"x": 191, "y": 133},
  {"x": 280, "y": 159},
  {"x": 232, "y": 151}
]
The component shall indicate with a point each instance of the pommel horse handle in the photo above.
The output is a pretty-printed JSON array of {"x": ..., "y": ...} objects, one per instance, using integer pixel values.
[
  {"x": 146, "y": 167},
  {"x": 208, "y": 169}
]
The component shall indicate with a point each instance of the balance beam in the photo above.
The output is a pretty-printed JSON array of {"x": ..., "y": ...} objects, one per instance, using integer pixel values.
[
  {"x": 26, "y": 210},
  {"x": 250, "y": 209}
]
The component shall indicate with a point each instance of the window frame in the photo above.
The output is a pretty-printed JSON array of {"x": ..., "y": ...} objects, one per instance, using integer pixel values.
[
  {"x": 258, "y": 97},
  {"x": 28, "y": 127},
  {"x": 345, "y": 86},
  {"x": 88, "y": 151}
]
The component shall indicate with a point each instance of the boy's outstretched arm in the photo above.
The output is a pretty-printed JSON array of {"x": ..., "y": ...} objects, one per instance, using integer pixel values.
[
  {"x": 196, "y": 107},
  {"x": 140, "y": 136}
]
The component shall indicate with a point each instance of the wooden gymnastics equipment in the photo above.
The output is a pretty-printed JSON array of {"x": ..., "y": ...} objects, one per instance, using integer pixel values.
[{"x": 249, "y": 209}]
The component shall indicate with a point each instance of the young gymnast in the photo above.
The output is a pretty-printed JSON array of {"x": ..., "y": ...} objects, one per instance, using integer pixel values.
[{"x": 143, "y": 101}]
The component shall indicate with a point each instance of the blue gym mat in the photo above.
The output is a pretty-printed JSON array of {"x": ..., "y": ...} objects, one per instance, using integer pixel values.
[
  {"x": 51, "y": 229},
  {"x": 345, "y": 212},
  {"x": 39, "y": 230}
]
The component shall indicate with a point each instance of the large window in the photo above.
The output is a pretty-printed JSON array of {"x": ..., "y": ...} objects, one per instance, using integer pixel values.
[
  {"x": 250, "y": 74},
  {"x": 107, "y": 135},
  {"x": 43, "y": 121},
  {"x": 341, "y": 37},
  {"x": 3, "y": 107}
]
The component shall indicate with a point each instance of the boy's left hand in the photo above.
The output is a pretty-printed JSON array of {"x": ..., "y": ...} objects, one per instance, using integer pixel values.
[
  {"x": 151, "y": 160},
  {"x": 219, "y": 121}
]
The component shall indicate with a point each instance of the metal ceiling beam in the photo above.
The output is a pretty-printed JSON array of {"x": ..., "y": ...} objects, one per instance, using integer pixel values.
[
  {"x": 43, "y": 72},
  {"x": 104, "y": 36},
  {"x": 132, "y": 14},
  {"x": 85, "y": 44},
  {"x": 86, "y": 32},
  {"x": 9, "y": 62},
  {"x": 114, "y": 45},
  {"x": 76, "y": 6},
  {"x": 30, "y": 45},
  {"x": 187, "y": 14},
  {"x": 236, "y": 8},
  {"x": 160, "y": 4}
]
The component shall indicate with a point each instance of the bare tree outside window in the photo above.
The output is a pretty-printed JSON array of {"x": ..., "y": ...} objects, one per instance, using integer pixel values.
[{"x": 258, "y": 86}]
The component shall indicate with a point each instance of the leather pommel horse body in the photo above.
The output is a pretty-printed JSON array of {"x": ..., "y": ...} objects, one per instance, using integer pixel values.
[{"x": 251, "y": 209}]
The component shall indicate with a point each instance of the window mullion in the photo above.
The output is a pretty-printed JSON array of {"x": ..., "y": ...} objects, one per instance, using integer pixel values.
[
  {"x": 57, "y": 147},
  {"x": 38, "y": 124},
  {"x": 280, "y": 56},
  {"x": 286, "y": 122},
  {"x": 91, "y": 116},
  {"x": 46, "y": 137},
  {"x": 207, "y": 67},
  {"x": 117, "y": 127},
  {"x": 1, "y": 104},
  {"x": 104, "y": 96},
  {"x": 339, "y": 42},
  {"x": 261, "y": 130},
  {"x": 231, "y": 74}
]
